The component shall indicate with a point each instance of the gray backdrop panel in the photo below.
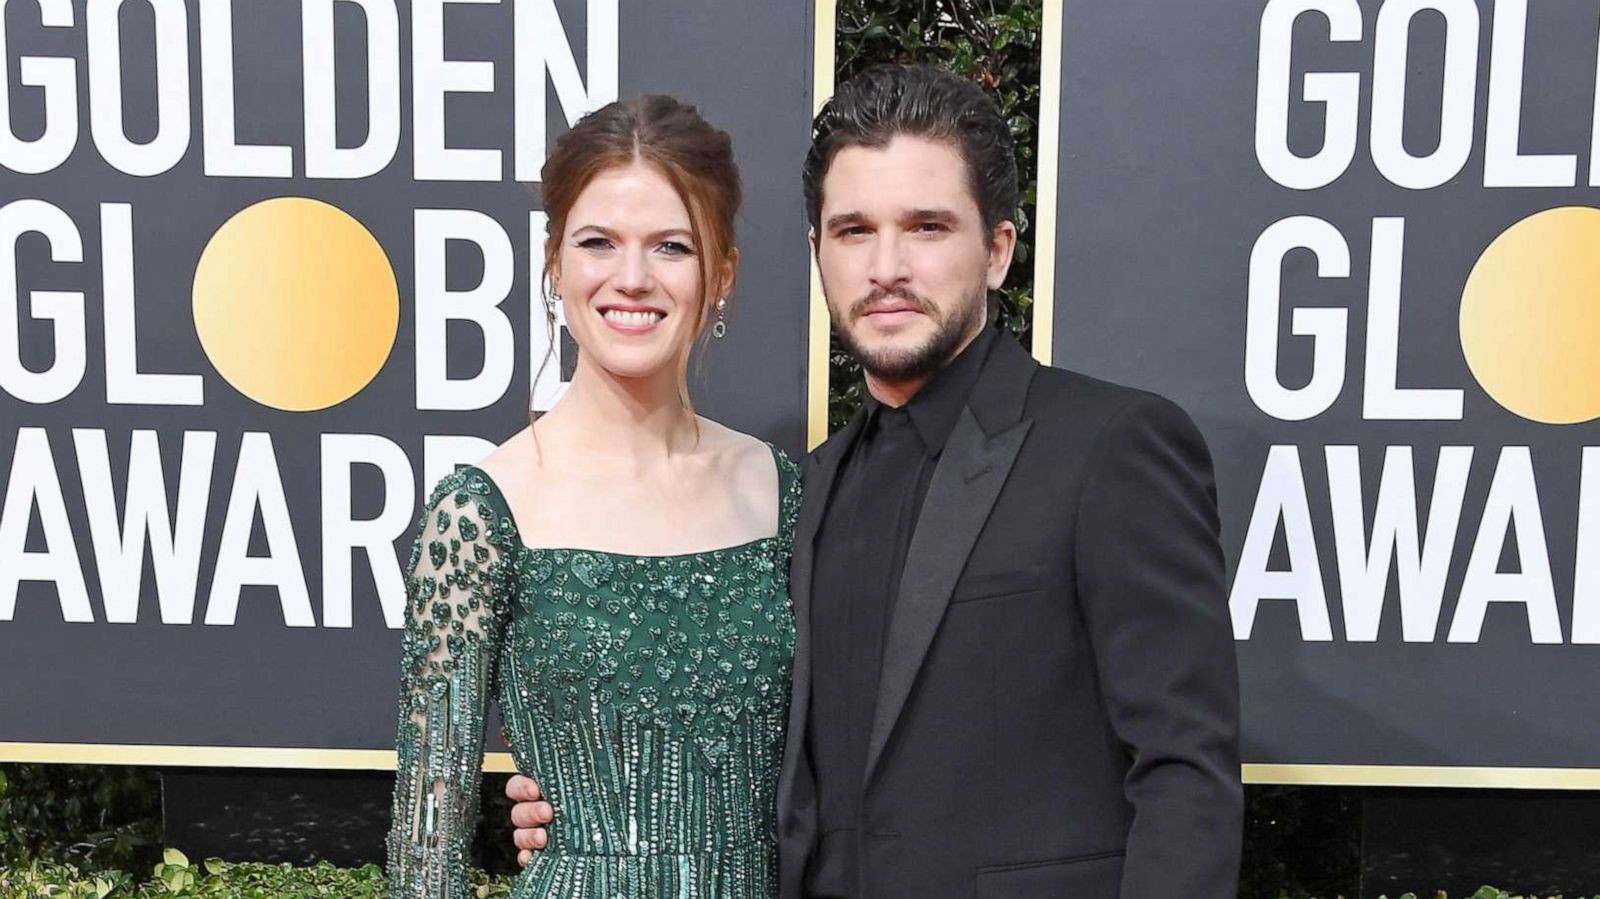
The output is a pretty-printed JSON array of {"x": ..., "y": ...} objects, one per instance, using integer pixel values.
[
  {"x": 1161, "y": 200},
  {"x": 260, "y": 683}
]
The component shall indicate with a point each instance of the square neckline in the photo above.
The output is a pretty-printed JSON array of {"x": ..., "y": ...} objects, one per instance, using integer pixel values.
[{"x": 536, "y": 551}]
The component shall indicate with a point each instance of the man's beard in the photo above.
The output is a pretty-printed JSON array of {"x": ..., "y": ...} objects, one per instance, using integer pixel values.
[{"x": 900, "y": 364}]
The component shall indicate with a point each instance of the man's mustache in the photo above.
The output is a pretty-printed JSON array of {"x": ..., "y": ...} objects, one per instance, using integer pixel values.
[{"x": 878, "y": 294}]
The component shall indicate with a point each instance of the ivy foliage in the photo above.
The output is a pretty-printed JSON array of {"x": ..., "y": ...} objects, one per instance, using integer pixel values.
[
  {"x": 94, "y": 817},
  {"x": 175, "y": 877}
]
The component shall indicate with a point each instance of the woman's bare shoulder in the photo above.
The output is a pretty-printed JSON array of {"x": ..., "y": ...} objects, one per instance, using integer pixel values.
[
  {"x": 743, "y": 457},
  {"x": 513, "y": 461}
]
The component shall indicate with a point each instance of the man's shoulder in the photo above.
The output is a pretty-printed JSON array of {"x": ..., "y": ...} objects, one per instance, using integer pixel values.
[{"x": 1083, "y": 400}]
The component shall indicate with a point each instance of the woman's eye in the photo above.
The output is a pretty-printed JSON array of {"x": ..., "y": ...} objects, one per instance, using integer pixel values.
[
  {"x": 594, "y": 243},
  {"x": 674, "y": 248}
]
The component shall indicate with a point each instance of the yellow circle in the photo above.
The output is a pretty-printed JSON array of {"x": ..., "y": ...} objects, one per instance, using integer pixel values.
[
  {"x": 1530, "y": 317},
  {"x": 295, "y": 304}
]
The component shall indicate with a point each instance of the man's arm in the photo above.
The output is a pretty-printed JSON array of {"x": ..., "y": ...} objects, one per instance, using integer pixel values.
[
  {"x": 528, "y": 817},
  {"x": 1151, "y": 583}
]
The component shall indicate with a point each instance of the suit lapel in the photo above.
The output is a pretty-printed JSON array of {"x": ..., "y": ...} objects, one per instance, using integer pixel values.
[
  {"x": 965, "y": 484},
  {"x": 973, "y": 467},
  {"x": 822, "y": 467},
  {"x": 821, "y": 470}
]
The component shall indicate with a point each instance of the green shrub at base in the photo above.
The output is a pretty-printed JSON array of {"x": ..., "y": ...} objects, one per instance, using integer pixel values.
[{"x": 176, "y": 878}]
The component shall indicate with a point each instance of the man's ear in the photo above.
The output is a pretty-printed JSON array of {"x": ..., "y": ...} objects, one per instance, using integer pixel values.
[
  {"x": 1002, "y": 247},
  {"x": 811, "y": 237}
]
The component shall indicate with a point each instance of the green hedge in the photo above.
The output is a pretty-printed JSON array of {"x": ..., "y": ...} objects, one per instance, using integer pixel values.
[{"x": 177, "y": 878}]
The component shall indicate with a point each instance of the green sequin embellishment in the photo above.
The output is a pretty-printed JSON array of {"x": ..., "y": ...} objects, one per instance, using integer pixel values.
[{"x": 648, "y": 696}]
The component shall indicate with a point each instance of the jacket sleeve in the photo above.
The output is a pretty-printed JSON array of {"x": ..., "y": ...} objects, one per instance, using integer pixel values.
[
  {"x": 1151, "y": 582},
  {"x": 453, "y": 627}
]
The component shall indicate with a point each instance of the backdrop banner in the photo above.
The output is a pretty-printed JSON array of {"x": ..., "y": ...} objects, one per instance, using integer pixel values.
[
  {"x": 1356, "y": 240},
  {"x": 271, "y": 269}
]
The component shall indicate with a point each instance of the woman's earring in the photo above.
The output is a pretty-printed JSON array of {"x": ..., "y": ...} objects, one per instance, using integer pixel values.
[
  {"x": 550, "y": 301},
  {"x": 720, "y": 328}
]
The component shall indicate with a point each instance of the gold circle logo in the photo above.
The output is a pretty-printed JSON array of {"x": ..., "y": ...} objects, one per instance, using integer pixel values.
[
  {"x": 296, "y": 304},
  {"x": 1530, "y": 317}
]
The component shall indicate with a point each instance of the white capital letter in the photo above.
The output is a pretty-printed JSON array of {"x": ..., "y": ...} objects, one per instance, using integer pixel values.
[
  {"x": 1423, "y": 563},
  {"x": 1381, "y": 399},
  {"x": 33, "y": 479},
  {"x": 343, "y": 533},
  {"x": 257, "y": 483},
  {"x": 63, "y": 307},
  {"x": 1513, "y": 501},
  {"x": 171, "y": 53},
  {"x": 1282, "y": 498},
  {"x": 433, "y": 77},
  {"x": 174, "y": 545},
  {"x": 1339, "y": 92},
  {"x": 58, "y": 79},
  {"x": 124, "y": 382},
  {"x": 436, "y": 305},
  {"x": 225, "y": 156},
  {"x": 1326, "y": 327},
  {"x": 542, "y": 46},
  {"x": 1504, "y": 165},
  {"x": 1389, "y": 68},
  {"x": 324, "y": 157}
]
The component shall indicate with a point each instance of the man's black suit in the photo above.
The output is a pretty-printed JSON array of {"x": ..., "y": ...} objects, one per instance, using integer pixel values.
[{"x": 1057, "y": 713}]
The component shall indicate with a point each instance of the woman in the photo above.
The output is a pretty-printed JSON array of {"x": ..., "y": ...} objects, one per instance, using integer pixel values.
[{"x": 615, "y": 574}]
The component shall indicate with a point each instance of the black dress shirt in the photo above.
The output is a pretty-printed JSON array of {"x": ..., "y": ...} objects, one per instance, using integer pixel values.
[{"x": 860, "y": 552}]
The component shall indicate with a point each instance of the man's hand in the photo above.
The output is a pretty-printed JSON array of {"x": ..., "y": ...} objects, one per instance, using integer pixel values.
[{"x": 528, "y": 816}]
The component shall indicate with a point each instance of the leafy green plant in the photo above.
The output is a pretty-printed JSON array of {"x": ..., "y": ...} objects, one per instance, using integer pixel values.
[
  {"x": 175, "y": 877},
  {"x": 96, "y": 817}
]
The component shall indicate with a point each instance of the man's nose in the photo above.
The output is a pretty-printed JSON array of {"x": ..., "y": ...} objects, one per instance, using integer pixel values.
[{"x": 889, "y": 264}]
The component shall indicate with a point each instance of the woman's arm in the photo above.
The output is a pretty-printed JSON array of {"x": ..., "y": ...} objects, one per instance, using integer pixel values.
[{"x": 455, "y": 615}]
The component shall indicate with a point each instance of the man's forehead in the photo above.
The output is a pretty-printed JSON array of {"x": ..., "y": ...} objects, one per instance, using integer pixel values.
[{"x": 906, "y": 173}]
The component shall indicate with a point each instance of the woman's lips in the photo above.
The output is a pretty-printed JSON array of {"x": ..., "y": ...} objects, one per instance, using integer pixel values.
[{"x": 629, "y": 321}]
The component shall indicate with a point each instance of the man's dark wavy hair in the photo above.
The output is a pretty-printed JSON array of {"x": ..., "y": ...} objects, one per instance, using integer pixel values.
[{"x": 889, "y": 101}]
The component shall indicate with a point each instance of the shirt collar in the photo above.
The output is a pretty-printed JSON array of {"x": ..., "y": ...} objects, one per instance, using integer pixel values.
[{"x": 935, "y": 409}]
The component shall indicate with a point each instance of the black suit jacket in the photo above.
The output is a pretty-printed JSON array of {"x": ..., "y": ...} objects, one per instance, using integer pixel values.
[{"x": 1057, "y": 713}]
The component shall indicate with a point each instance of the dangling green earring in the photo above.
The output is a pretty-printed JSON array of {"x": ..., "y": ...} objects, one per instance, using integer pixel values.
[{"x": 719, "y": 329}]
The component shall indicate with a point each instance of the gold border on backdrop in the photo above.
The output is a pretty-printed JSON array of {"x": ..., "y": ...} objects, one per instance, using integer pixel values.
[
  {"x": 1045, "y": 284},
  {"x": 822, "y": 37},
  {"x": 1426, "y": 776},
  {"x": 220, "y": 756},
  {"x": 500, "y": 763},
  {"x": 1046, "y": 211}
]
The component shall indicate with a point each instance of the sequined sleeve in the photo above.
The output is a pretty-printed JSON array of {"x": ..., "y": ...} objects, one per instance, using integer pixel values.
[{"x": 454, "y": 622}]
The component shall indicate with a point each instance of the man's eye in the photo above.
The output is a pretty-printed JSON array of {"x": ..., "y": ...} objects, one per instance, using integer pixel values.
[{"x": 930, "y": 227}]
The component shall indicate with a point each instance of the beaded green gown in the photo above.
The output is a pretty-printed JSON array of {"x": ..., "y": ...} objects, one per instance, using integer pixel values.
[{"x": 648, "y": 696}]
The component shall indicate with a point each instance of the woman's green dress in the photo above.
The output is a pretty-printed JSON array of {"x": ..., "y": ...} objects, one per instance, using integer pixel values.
[{"x": 648, "y": 696}]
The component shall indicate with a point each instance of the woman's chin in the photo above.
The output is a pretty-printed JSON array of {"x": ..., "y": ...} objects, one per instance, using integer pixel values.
[{"x": 633, "y": 367}]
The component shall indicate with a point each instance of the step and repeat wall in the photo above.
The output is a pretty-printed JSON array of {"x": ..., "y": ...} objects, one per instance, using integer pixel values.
[
  {"x": 1358, "y": 242},
  {"x": 269, "y": 269}
]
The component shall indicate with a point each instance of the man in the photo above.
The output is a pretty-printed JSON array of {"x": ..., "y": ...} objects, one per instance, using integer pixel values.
[{"x": 1014, "y": 674}]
